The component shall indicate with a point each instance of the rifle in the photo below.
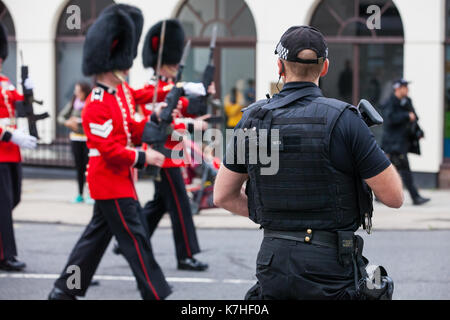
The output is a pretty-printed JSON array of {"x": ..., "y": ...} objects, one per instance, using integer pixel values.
[
  {"x": 208, "y": 74},
  {"x": 156, "y": 134},
  {"x": 200, "y": 105},
  {"x": 25, "y": 107}
]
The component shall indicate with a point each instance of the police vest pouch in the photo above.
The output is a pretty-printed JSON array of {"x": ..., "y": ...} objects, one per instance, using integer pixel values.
[{"x": 346, "y": 248}]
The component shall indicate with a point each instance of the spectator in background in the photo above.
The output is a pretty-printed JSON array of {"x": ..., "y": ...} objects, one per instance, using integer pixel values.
[
  {"x": 233, "y": 102},
  {"x": 250, "y": 94},
  {"x": 70, "y": 117}
]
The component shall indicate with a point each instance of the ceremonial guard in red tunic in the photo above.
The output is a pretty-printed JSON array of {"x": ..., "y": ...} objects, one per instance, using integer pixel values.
[
  {"x": 11, "y": 140},
  {"x": 112, "y": 135}
]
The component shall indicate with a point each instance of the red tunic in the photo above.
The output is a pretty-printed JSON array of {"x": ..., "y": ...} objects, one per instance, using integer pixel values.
[
  {"x": 111, "y": 134},
  {"x": 9, "y": 152}
]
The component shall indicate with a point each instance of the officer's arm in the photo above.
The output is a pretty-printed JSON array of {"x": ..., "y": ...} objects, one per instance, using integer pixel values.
[
  {"x": 228, "y": 191},
  {"x": 387, "y": 187}
]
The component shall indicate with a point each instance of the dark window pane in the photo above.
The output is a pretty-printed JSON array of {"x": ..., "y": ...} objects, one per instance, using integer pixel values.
[
  {"x": 391, "y": 23},
  {"x": 10, "y": 64},
  {"x": 69, "y": 61},
  {"x": 338, "y": 18},
  {"x": 6, "y": 20},
  {"x": 330, "y": 15},
  {"x": 232, "y": 17},
  {"x": 380, "y": 65},
  {"x": 90, "y": 9},
  {"x": 244, "y": 25},
  {"x": 338, "y": 83}
]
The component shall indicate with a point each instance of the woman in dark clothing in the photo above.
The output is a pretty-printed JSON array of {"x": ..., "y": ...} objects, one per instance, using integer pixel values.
[{"x": 70, "y": 117}]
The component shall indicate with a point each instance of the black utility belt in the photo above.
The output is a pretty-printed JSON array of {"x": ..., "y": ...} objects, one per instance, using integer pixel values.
[{"x": 321, "y": 238}]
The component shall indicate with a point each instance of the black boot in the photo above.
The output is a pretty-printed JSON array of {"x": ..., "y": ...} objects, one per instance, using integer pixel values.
[
  {"x": 192, "y": 264},
  {"x": 417, "y": 201},
  {"x": 12, "y": 264},
  {"x": 57, "y": 294}
]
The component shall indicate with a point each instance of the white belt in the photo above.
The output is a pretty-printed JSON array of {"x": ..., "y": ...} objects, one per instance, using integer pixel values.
[
  {"x": 5, "y": 122},
  {"x": 94, "y": 153}
]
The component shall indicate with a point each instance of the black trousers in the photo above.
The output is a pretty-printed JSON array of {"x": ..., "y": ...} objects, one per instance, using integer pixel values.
[
  {"x": 10, "y": 191},
  {"x": 400, "y": 161},
  {"x": 80, "y": 154},
  {"x": 171, "y": 196},
  {"x": 120, "y": 218},
  {"x": 291, "y": 270}
]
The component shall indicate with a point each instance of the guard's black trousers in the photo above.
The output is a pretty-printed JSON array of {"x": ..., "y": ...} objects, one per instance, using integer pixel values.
[
  {"x": 10, "y": 190},
  {"x": 121, "y": 218},
  {"x": 290, "y": 270},
  {"x": 171, "y": 196},
  {"x": 400, "y": 161}
]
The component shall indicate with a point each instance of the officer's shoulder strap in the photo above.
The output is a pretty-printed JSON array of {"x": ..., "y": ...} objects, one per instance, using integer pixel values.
[
  {"x": 97, "y": 94},
  {"x": 258, "y": 103},
  {"x": 294, "y": 96},
  {"x": 335, "y": 103}
]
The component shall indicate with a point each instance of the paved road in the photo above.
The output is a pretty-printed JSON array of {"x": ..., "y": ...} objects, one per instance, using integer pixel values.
[{"x": 418, "y": 261}]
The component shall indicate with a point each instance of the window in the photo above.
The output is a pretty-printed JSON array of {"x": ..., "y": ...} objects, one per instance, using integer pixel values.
[
  {"x": 234, "y": 57},
  {"x": 364, "y": 62},
  {"x": 10, "y": 64},
  {"x": 69, "y": 51}
]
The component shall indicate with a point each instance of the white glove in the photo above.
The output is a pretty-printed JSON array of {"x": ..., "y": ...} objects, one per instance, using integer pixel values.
[
  {"x": 194, "y": 89},
  {"x": 28, "y": 84},
  {"x": 23, "y": 140}
]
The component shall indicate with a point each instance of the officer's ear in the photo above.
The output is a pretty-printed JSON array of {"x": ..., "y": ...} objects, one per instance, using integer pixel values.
[
  {"x": 325, "y": 67},
  {"x": 281, "y": 71}
]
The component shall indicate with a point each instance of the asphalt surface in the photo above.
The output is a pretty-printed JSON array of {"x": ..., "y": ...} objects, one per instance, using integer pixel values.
[{"x": 418, "y": 261}]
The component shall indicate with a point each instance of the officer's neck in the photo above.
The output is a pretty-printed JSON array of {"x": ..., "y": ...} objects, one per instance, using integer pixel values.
[{"x": 288, "y": 79}]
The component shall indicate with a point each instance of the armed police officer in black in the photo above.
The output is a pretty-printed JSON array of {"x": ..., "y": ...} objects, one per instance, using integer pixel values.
[
  {"x": 311, "y": 206},
  {"x": 401, "y": 135}
]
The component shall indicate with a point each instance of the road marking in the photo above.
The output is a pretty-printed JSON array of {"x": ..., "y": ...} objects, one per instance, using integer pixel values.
[{"x": 125, "y": 278}]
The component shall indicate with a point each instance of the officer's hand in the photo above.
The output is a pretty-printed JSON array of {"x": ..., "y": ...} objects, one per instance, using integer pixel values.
[
  {"x": 412, "y": 117},
  {"x": 154, "y": 158},
  {"x": 28, "y": 84},
  {"x": 23, "y": 140},
  {"x": 212, "y": 89},
  {"x": 158, "y": 108}
]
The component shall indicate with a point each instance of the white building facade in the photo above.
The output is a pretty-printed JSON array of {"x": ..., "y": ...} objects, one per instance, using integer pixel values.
[{"x": 410, "y": 43}]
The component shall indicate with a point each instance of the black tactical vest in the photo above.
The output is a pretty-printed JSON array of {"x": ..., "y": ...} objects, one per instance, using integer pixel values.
[{"x": 307, "y": 191}]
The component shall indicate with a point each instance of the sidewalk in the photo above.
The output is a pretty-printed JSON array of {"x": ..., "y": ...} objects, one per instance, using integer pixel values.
[{"x": 49, "y": 201}]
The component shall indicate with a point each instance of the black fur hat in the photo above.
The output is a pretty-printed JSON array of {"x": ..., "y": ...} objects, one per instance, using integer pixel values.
[
  {"x": 110, "y": 43},
  {"x": 135, "y": 15},
  {"x": 3, "y": 43},
  {"x": 173, "y": 44}
]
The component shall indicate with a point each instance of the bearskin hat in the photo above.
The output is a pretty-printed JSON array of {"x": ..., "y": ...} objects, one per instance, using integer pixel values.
[
  {"x": 173, "y": 44},
  {"x": 135, "y": 15},
  {"x": 3, "y": 43},
  {"x": 110, "y": 43}
]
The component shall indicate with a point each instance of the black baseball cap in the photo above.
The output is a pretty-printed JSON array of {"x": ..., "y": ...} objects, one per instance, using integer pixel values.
[
  {"x": 400, "y": 83},
  {"x": 299, "y": 38}
]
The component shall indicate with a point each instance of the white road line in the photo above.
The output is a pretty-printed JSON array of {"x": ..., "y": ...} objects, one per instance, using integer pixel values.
[{"x": 125, "y": 278}]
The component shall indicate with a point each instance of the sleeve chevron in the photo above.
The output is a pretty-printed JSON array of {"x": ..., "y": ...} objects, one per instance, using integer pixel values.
[{"x": 101, "y": 130}]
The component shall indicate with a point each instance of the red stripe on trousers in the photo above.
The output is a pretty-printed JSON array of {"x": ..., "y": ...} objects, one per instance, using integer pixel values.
[
  {"x": 180, "y": 214},
  {"x": 137, "y": 250}
]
